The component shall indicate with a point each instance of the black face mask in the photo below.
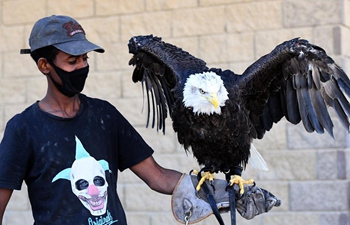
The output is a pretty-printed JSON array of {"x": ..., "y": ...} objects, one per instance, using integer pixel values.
[{"x": 72, "y": 82}]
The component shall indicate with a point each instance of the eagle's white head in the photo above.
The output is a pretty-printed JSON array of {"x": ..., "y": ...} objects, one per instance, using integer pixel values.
[{"x": 205, "y": 93}]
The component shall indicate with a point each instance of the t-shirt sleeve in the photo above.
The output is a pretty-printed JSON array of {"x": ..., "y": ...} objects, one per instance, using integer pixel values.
[
  {"x": 132, "y": 148},
  {"x": 14, "y": 157}
]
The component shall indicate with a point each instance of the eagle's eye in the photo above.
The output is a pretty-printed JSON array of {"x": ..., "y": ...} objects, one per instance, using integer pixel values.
[{"x": 201, "y": 91}]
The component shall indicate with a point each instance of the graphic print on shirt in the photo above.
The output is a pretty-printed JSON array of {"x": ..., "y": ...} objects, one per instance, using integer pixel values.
[{"x": 88, "y": 180}]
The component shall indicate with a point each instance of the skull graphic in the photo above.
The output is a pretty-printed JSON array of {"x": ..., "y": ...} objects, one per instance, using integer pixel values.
[
  {"x": 89, "y": 184},
  {"x": 88, "y": 180}
]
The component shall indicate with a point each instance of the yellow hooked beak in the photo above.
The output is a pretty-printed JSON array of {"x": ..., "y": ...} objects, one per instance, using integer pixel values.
[{"x": 213, "y": 99}]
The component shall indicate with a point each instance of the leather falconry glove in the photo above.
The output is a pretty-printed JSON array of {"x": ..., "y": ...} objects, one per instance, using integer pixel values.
[{"x": 190, "y": 207}]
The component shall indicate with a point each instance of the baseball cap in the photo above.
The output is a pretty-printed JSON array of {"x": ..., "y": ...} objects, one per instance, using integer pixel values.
[{"x": 63, "y": 32}]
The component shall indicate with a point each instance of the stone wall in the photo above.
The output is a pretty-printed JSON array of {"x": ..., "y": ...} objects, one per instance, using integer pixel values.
[{"x": 309, "y": 172}]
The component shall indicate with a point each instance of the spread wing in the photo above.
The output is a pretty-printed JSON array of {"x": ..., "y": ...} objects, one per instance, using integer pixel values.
[
  {"x": 162, "y": 69},
  {"x": 297, "y": 80}
]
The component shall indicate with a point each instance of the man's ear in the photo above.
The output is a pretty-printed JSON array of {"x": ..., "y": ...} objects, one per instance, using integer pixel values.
[{"x": 43, "y": 65}]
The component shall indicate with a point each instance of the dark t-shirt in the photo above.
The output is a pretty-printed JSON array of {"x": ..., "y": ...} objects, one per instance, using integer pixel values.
[{"x": 71, "y": 165}]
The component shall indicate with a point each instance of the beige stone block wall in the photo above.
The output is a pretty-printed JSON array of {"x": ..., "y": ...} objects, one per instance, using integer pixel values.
[{"x": 310, "y": 173}]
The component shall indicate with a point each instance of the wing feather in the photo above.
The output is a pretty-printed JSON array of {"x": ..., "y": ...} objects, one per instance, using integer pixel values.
[
  {"x": 306, "y": 79},
  {"x": 316, "y": 76},
  {"x": 162, "y": 67},
  {"x": 149, "y": 97},
  {"x": 297, "y": 80},
  {"x": 342, "y": 116},
  {"x": 307, "y": 112},
  {"x": 292, "y": 107},
  {"x": 321, "y": 111}
]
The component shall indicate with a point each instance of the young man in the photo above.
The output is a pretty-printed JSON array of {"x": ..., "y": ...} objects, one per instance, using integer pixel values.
[
  {"x": 68, "y": 147},
  {"x": 62, "y": 145}
]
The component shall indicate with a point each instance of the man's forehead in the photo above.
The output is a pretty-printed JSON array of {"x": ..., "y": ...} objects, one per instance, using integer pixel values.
[{"x": 65, "y": 55}]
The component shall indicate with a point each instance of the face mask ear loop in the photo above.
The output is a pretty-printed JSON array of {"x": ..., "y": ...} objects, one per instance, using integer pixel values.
[
  {"x": 58, "y": 86},
  {"x": 53, "y": 81}
]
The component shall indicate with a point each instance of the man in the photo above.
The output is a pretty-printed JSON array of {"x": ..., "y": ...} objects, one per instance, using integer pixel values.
[{"x": 68, "y": 147}]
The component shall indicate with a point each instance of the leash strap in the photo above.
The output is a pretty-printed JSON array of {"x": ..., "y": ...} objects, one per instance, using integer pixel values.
[
  {"x": 212, "y": 204},
  {"x": 237, "y": 170},
  {"x": 210, "y": 199},
  {"x": 232, "y": 199}
]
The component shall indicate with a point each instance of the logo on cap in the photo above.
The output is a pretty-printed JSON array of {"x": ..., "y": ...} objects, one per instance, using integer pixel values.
[{"x": 73, "y": 28}]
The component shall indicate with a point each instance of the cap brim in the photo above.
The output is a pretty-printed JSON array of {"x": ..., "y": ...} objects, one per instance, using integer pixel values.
[
  {"x": 78, "y": 47},
  {"x": 25, "y": 51}
]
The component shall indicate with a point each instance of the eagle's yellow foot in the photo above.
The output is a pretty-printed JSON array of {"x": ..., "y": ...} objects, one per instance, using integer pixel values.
[
  {"x": 205, "y": 176},
  {"x": 239, "y": 180}
]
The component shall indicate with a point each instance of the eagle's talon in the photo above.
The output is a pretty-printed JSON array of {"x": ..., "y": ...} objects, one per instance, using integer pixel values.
[
  {"x": 195, "y": 172},
  {"x": 240, "y": 182},
  {"x": 228, "y": 186},
  {"x": 197, "y": 194},
  {"x": 212, "y": 185},
  {"x": 239, "y": 196},
  {"x": 201, "y": 179}
]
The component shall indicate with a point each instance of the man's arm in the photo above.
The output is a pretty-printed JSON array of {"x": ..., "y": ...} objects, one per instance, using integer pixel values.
[
  {"x": 5, "y": 195},
  {"x": 254, "y": 202},
  {"x": 156, "y": 177}
]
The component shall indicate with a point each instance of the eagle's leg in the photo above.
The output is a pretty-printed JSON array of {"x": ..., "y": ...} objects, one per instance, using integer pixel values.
[
  {"x": 205, "y": 173},
  {"x": 233, "y": 176},
  {"x": 237, "y": 179},
  {"x": 206, "y": 176}
]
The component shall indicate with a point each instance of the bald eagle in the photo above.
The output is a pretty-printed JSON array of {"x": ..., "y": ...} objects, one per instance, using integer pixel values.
[{"x": 217, "y": 113}]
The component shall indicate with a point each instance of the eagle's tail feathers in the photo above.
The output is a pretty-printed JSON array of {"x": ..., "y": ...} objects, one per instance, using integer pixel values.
[{"x": 256, "y": 160}]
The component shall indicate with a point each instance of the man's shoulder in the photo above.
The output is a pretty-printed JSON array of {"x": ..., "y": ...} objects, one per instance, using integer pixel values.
[
  {"x": 98, "y": 105},
  {"x": 30, "y": 111},
  {"x": 20, "y": 120},
  {"x": 94, "y": 101}
]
